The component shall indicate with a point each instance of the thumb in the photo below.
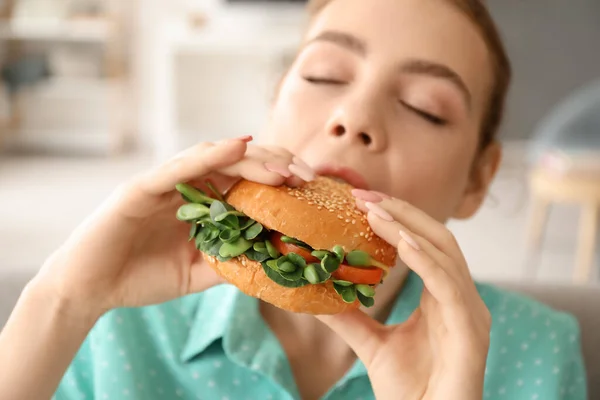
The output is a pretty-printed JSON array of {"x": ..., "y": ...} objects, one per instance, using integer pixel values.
[{"x": 361, "y": 332}]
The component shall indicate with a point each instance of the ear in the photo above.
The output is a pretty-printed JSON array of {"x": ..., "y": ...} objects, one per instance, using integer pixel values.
[{"x": 482, "y": 174}]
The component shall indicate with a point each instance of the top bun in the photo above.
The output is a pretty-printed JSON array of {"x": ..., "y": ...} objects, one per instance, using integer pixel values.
[{"x": 321, "y": 213}]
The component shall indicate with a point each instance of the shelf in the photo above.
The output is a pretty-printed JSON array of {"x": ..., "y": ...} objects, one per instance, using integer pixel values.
[
  {"x": 222, "y": 40},
  {"x": 73, "y": 88},
  {"x": 98, "y": 141},
  {"x": 94, "y": 31}
]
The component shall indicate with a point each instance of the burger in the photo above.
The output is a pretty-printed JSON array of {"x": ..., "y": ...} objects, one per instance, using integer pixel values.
[{"x": 307, "y": 249}]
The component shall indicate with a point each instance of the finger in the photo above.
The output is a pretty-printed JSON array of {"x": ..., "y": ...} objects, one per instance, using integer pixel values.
[
  {"x": 190, "y": 164},
  {"x": 390, "y": 232},
  {"x": 362, "y": 333},
  {"x": 255, "y": 170},
  {"x": 283, "y": 162},
  {"x": 273, "y": 159},
  {"x": 303, "y": 172},
  {"x": 435, "y": 278},
  {"x": 415, "y": 220},
  {"x": 452, "y": 297}
]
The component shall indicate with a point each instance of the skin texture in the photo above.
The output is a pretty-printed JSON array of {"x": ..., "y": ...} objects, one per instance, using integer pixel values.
[{"x": 362, "y": 112}]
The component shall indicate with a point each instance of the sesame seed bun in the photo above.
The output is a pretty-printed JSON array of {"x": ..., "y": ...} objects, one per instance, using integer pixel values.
[{"x": 321, "y": 213}]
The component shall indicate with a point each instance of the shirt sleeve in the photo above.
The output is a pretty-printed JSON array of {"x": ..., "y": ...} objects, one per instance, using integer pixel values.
[{"x": 77, "y": 382}]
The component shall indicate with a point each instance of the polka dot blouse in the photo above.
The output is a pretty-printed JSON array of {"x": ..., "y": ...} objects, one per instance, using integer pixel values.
[{"x": 215, "y": 346}]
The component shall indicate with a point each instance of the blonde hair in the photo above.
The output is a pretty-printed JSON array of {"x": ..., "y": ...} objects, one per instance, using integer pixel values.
[{"x": 479, "y": 15}]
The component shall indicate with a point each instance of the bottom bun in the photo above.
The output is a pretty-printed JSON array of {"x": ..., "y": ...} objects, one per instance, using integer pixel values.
[{"x": 250, "y": 278}]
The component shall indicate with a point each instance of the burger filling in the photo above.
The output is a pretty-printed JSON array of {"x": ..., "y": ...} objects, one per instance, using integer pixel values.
[{"x": 222, "y": 232}]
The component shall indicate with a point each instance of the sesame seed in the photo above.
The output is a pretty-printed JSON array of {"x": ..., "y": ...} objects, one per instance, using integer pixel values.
[
  {"x": 353, "y": 221},
  {"x": 362, "y": 234}
]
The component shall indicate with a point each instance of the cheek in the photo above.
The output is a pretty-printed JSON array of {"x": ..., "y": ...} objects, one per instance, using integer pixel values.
[{"x": 433, "y": 180}]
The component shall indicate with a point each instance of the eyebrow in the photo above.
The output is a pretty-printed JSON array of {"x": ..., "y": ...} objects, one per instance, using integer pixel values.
[{"x": 413, "y": 66}]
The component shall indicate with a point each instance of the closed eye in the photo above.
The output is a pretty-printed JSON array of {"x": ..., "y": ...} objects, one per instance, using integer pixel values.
[
  {"x": 323, "y": 81},
  {"x": 425, "y": 115}
]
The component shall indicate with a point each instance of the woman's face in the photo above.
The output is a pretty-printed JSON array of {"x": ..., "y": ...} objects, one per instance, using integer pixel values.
[{"x": 394, "y": 90}]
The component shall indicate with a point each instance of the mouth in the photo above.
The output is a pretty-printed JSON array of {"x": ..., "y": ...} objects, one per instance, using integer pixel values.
[{"x": 343, "y": 174}]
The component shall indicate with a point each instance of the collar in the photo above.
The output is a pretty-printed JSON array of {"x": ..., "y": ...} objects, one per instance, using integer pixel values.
[
  {"x": 226, "y": 314},
  {"x": 216, "y": 308}
]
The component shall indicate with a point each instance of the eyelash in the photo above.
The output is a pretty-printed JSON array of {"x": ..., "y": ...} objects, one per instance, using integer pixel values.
[
  {"x": 322, "y": 81},
  {"x": 433, "y": 119}
]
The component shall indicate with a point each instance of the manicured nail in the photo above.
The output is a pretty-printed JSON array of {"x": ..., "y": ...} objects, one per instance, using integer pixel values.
[
  {"x": 300, "y": 162},
  {"x": 408, "y": 239},
  {"x": 302, "y": 172},
  {"x": 278, "y": 169},
  {"x": 246, "y": 138},
  {"x": 366, "y": 195},
  {"x": 380, "y": 212},
  {"x": 383, "y": 195}
]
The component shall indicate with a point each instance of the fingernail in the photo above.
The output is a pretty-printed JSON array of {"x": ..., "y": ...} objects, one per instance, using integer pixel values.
[
  {"x": 380, "y": 212},
  {"x": 304, "y": 173},
  {"x": 408, "y": 239},
  {"x": 278, "y": 169},
  {"x": 383, "y": 195},
  {"x": 245, "y": 139},
  {"x": 300, "y": 162},
  {"x": 366, "y": 195}
]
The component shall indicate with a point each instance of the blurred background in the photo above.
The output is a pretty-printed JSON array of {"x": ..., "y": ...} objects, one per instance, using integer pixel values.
[{"x": 93, "y": 91}]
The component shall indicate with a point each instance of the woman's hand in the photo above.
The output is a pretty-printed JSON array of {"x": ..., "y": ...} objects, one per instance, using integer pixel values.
[
  {"x": 134, "y": 252},
  {"x": 440, "y": 351}
]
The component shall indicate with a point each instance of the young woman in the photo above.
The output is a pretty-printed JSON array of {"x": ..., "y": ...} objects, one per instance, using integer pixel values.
[{"x": 406, "y": 95}]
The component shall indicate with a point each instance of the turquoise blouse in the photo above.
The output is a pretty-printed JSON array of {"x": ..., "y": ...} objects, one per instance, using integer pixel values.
[{"x": 216, "y": 346}]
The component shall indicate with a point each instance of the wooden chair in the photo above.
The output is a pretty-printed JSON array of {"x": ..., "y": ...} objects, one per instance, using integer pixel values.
[{"x": 548, "y": 188}]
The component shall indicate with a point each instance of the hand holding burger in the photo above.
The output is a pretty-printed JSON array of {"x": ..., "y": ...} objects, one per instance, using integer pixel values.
[{"x": 440, "y": 352}]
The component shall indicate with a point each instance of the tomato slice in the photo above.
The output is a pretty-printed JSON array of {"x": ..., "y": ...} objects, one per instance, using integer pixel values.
[
  {"x": 365, "y": 276},
  {"x": 285, "y": 248}
]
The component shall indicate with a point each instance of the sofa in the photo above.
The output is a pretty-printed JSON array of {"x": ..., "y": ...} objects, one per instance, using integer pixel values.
[{"x": 581, "y": 301}]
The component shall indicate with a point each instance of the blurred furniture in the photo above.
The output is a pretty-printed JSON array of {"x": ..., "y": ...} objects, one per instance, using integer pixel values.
[
  {"x": 581, "y": 301},
  {"x": 241, "y": 51},
  {"x": 81, "y": 106},
  {"x": 548, "y": 188},
  {"x": 566, "y": 169}
]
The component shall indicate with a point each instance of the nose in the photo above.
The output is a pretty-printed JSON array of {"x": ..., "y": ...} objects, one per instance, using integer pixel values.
[{"x": 359, "y": 123}]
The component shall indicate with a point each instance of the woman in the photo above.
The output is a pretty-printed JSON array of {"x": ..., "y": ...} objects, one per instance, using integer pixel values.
[{"x": 409, "y": 93}]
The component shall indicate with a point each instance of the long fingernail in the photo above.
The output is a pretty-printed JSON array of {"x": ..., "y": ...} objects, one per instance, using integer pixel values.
[
  {"x": 246, "y": 138},
  {"x": 302, "y": 172},
  {"x": 383, "y": 195},
  {"x": 278, "y": 169},
  {"x": 409, "y": 240},
  {"x": 300, "y": 162},
  {"x": 380, "y": 212},
  {"x": 366, "y": 195}
]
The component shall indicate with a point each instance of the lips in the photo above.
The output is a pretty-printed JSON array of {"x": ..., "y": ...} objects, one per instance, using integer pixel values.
[{"x": 345, "y": 174}]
